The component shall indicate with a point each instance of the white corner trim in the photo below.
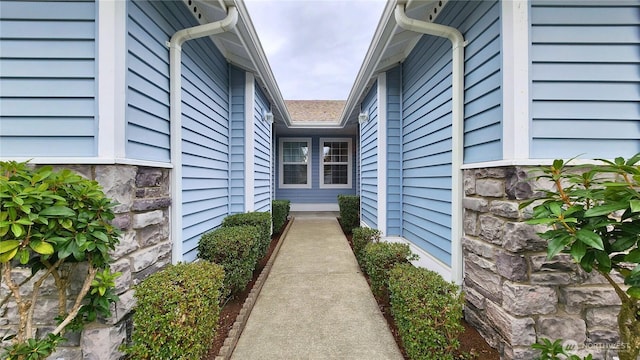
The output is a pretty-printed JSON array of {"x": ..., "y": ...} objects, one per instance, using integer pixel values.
[
  {"x": 515, "y": 78},
  {"x": 382, "y": 152},
  {"x": 425, "y": 259},
  {"x": 249, "y": 139},
  {"x": 111, "y": 78}
]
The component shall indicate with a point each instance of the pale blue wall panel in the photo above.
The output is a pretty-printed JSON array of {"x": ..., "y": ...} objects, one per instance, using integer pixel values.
[
  {"x": 369, "y": 160},
  {"x": 585, "y": 83},
  {"x": 262, "y": 153},
  {"x": 237, "y": 81},
  {"x": 48, "y": 79}
]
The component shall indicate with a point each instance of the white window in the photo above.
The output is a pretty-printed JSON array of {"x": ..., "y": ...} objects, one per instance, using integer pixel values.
[
  {"x": 295, "y": 162},
  {"x": 336, "y": 163}
]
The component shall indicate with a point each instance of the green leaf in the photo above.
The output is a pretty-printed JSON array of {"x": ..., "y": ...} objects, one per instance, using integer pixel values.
[
  {"x": 8, "y": 245},
  {"x": 57, "y": 211},
  {"x": 17, "y": 229},
  {"x": 578, "y": 249},
  {"x": 547, "y": 221},
  {"x": 558, "y": 163},
  {"x": 556, "y": 245},
  {"x": 633, "y": 256},
  {"x": 7, "y": 256},
  {"x": 556, "y": 208},
  {"x": 605, "y": 209},
  {"x": 634, "y": 292},
  {"x": 24, "y": 221},
  {"x": 590, "y": 238},
  {"x": 634, "y": 205},
  {"x": 24, "y": 256},
  {"x": 42, "y": 247},
  {"x": 604, "y": 262},
  {"x": 100, "y": 235}
]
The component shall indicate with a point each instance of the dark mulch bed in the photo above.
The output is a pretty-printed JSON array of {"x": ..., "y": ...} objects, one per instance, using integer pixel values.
[
  {"x": 232, "y": 308},
  {"x": 472, "y": 344}
]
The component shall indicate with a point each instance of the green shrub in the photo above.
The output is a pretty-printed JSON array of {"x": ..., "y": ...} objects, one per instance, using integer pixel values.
[
  {"x": 177, "y": 312},
  {"x": 378, "y": 258},
  {"x": 349, "y": 212},
  {"x": 361, "y": 237},
  {"x": 279, "y": 213},
  {"x": 235, "y": 249},
  {"x": 261, "y": 220},
  {"x": 427, "y": 311}
]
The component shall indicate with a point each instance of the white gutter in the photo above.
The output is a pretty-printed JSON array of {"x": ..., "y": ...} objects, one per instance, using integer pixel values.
[
  {"x": 457, "y": 128},
  {"x": 175, "y": 96}
]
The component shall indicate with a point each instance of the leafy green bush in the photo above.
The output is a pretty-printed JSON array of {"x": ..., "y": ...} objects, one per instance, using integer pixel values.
[
  {"x": 52, "y": 221},
  {"x": 361, "y": 237},
  {"x": 349, "y": 212},
  {"x": 279, "y": 213},
  {"x": 233, "y": 248},
  {"x": 427, "y": 311},
  {"x": 177, "y": 312},
  {"x": 594, "y": 214},
  {"x": 380, "y": 257},
  {"x": 556, "y": 351},
  {"x": 261, "y": 220}
]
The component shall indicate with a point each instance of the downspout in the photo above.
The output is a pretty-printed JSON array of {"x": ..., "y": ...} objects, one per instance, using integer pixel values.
[
  {"x": 175, "y": 102},
  {"x": 457, "y": 128}
]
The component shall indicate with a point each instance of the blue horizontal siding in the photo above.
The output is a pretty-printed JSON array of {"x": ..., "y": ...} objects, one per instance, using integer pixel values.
[
  {"x": 394, "y": 155},
  {"x": 48, "y": 79},
  {"x": 262, "y": 153},
  {"x": 315, "y": 195},
  {"x": 585, "y": 84},
  {"x": 369, "y": 160}
]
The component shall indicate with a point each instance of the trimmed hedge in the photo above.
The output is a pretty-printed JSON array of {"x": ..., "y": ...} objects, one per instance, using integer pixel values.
[
  {"x": 176, "y": 313},
  {"x": 279, "y": 213},
  {"x": 235, "y": 249},
  {"x": 349, "y": 212},
  {"x": 262, "y": 220},
  {"x": 428, "y": 312},
  {"x": 380, "y": 257},
  {"x": 361, "y": 237}
]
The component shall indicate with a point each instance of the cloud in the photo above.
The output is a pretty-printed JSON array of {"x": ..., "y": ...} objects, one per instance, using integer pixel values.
[{"x": 315, "y": 47}]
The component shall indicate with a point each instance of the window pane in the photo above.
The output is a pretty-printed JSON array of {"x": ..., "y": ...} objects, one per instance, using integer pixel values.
[
  {"x": 295, "y": 152},
  {"x": 335, "y": 152},
  {"x": 294, "y": 174},
  {"x": 336, "y": 174}
]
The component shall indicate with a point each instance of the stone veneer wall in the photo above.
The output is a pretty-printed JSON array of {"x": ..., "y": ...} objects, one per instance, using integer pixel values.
[
  {"x": 514, "y": 296},
  {"x": 143, "y": 215}
]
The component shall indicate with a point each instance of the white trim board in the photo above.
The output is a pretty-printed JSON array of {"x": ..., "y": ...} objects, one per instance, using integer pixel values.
[
  {"x": 249, "y": 139},
  {"x": 425, "y": 260},
  {"x": 382, "y": 153}
]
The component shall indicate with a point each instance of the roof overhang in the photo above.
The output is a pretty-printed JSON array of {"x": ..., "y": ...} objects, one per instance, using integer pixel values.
[
  {"x": 390, "y": 46},
  {"x": 242, "y": 48}
]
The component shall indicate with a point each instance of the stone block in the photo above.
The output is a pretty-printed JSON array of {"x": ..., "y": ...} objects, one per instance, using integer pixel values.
[
  {"x": 490, "y": 188},
  {"x": 470, "y": 223},
  {"x": 591, "y": 296},
  {"x": 153, "y": 235},
  {"x": 520, "y": 353},
  {"x": 122, "y": 222},
  {"x": 552, "y": 278},
  {"x": 603, "y": 337},
  {"x": 566, "y": 328},
  {"x": 606, "y": 317},
  {"x": 479, "y": 247},
  {"x": 147, "y": 256},
  {"x": 515, "y": 330},
  {"x": 491, "y": 229},
  {"x": 518, "y": 184},
  {"x": 506, "y": 209},
  {"x": 484, "y": 281},
  {"x": 490, "y": 172},
  {"x": 124, "y": 281},
  {"x": 148, "y": 218},
  {"x": 151, "y": 204},
  {"x": 147, "y": 177},
  {"x": 479, "y": 321},
  {"x": 469, "y": 182},
  {"x": 128, "y": 244},
  {"x": 474, "y": 298},
  {"x": 66, "y": 353},
  {"x": 512, "y": 266},
  {"x": 559, "y": 263},
  {"x": 101, "y": 343},
  {"x": 523, "y": 237},
  {"x": 118, "y": 182},
  {"x": 527, "y": 300},
  {"x": 123, "y": 307},
  {"x": 475, "y": 204},
  {"x": 480, "y": 261}
]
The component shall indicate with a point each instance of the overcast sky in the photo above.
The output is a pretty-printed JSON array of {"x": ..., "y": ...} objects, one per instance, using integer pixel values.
[{"x": 315, "y": 47}]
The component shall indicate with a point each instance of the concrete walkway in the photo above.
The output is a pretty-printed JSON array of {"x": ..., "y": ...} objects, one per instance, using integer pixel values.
[{"x": 316, "y": 304}]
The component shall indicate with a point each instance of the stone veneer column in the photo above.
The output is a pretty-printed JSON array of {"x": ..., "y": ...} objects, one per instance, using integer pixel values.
[
  {"x": 514, "y": 295},
  {"x": 143, "y": 216}
]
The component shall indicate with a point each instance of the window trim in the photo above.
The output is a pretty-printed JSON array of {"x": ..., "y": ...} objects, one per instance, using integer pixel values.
[
  {"x": 281, "y": 183},
  {"x": 349, "y": 183}
]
